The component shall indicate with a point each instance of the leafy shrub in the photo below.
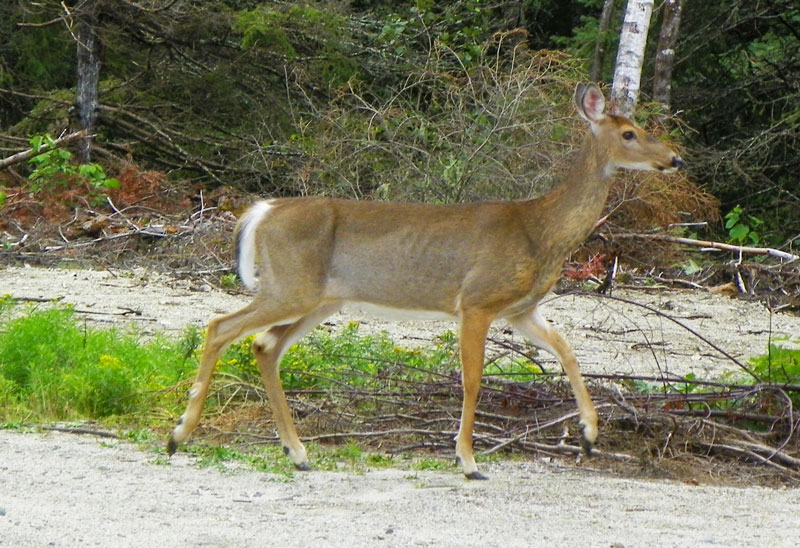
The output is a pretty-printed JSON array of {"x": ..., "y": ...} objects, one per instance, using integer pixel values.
[
  {"x": 326, "y": 360},
  {"x": 781, "y": 366},
  {"x": 54, "y": 167},
  {"x": 742, "y": 227},
  {"x": 56, "y": 368}
]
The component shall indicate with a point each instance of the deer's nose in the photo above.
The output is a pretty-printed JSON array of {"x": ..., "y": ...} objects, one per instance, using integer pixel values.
[{"x": 677, "y": 163}]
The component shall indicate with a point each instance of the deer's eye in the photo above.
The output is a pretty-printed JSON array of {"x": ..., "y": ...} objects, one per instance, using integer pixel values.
[{"x": 629, "y": 135}]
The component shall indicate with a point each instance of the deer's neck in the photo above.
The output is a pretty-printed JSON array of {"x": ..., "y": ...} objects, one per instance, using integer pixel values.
[{"x": 573, "y": 207}]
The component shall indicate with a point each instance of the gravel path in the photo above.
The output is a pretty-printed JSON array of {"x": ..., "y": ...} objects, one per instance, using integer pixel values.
[
  {"x": 67, "y": 490},
  {"x": 64, "y": 490}
]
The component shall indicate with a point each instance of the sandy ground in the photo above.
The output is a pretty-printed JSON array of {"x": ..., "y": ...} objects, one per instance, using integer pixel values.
[
  {"x": 64, "y": 490},
  {"x": 67, "y": 490}
]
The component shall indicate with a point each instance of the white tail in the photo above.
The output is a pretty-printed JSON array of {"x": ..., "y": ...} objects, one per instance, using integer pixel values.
[
  {"x": 245, "y": 245},
  {"x": 472, "y": 262}
]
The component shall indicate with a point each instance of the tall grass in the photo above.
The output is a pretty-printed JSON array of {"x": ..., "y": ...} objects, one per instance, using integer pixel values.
[{"x": 53, "y": 366}]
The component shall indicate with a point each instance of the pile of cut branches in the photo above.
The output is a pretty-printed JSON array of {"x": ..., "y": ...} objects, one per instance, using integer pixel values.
[{"x": 705, "y": 430}]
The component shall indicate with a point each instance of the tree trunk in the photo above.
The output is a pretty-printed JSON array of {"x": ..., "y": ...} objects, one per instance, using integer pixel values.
[
  {"x": 88, "y": 75},
  {"x": 665, "y": 53},
  {"x": 600, "y": 47},
  {"x": 632, "y": 42}
]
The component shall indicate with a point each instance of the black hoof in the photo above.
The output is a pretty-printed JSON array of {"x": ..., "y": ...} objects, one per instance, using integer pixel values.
[
  {"x": 476, "y": 476},
  {"x": 586, "y": 445},
  {"x": 172, "y": 446},
  {"x": 303, "y": 467}
]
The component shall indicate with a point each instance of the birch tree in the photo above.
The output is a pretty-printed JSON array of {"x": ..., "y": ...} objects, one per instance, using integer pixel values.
[{"x": 630, "y": 56}]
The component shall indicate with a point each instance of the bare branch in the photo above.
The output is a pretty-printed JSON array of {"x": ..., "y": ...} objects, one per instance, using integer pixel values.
[
  {"x": 707, "y": 244},
  {"x": 26, "y": 154}
]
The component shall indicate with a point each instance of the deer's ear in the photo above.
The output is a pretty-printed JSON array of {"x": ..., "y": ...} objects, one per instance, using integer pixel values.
[{"x": 590, "y": 102}]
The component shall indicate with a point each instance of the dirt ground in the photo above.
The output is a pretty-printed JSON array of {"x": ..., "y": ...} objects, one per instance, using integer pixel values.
[{"x": 65, "y": 490}]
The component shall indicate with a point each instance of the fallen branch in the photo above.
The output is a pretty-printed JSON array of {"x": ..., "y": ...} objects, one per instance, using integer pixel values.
[
  {"x": 707, "y": 244},
  {"x": 748, "y": 453},
  {"x": 26, "y": 154}
]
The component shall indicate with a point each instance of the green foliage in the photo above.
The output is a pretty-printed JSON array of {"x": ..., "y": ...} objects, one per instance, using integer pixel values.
[
  {"x": 53, "y": 367},
  {"x": 229, "y": 281},
  {"x": 742, "y": 227},
  {"x": 737, "y": 90},
  {"x": 780, "y": 365},
  {"x": 292, "y": 31},
  {"x": 44, "y": 57},
  {"x": 325, "y": 360},
  {"x": 54, "y": 167},
  {"x": 267, "y": 459}
]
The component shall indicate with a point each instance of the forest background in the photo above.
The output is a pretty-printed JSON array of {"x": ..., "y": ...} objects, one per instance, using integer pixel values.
[{"x": 403, "y": 100}]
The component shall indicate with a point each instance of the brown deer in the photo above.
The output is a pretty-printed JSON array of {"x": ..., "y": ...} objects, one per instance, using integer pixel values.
[{"x": 472, "y": 262}]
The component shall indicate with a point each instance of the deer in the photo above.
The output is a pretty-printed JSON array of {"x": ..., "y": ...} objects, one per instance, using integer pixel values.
[{"x": 475, "y": 263}]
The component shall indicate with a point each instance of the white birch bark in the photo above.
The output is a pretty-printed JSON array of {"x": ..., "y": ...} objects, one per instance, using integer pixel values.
[{"x": 630, "y": 56}]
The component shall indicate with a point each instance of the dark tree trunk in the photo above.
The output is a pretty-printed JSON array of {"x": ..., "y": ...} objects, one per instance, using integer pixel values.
[
  {"x": 88, "y": 74},
  {"x": 665, "y": 53},
  {"x": 600, "y": 47}
]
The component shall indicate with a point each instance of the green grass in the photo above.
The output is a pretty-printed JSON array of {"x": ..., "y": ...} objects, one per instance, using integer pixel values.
[
  {"x": 779, "y": 366},
  {"x": 54, "y": 367}
]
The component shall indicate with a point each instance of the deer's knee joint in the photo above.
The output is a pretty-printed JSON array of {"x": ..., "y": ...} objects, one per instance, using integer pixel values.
[{"x": 264, "y": 343}]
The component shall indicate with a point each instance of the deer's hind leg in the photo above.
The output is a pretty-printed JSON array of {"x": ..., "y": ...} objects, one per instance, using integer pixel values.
[
  {"x": 222, "y": 331},
  {"x": 268, "y": 349}
]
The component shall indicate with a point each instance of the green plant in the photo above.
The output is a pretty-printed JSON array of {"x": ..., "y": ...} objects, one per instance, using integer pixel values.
[
  {"x": 780, "y": 365},
  {"x": 54, "y": 367},
  {"x": 742, "y": 227},
  {"x": 266, "y": 459},
  {"x": 229, "y": 281},
  {"x": 53, "y": 167},
  {"x": 326, "y": 360}
]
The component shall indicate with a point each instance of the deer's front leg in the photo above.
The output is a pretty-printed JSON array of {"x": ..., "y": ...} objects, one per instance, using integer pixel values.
[
  {"x": 541, "y": 334},
  {"x": 474, "y": 328}
]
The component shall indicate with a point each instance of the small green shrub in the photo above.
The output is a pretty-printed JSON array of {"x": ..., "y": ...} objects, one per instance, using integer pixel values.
[
  {"x": 741, "y": 227},
  {"x": 53, "y": 367},
  {"x": 54, "y": 167},
  {"x": 781, "y": 366},
  {"x": 327, "y": 360}
]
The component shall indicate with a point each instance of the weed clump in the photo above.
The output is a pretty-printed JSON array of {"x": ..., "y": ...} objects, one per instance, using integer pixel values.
[{"x": 54, "y": 368}]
